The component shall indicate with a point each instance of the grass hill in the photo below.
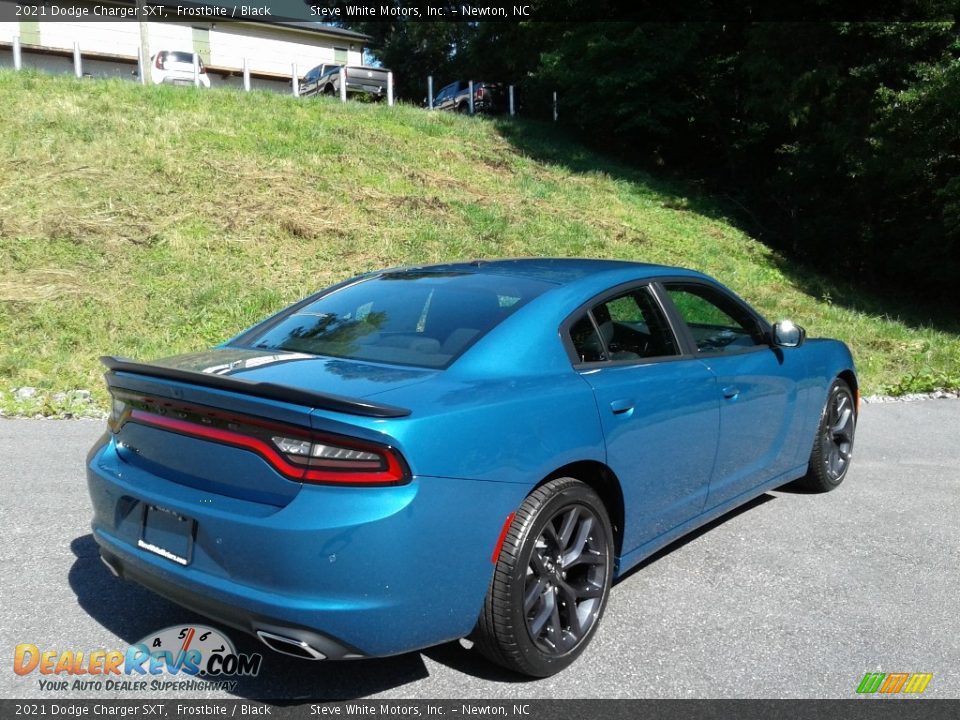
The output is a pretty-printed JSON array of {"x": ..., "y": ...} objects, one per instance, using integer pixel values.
[{"x": 148, "y": 221}]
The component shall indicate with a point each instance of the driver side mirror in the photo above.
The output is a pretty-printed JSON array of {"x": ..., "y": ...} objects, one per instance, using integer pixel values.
[{"x": 788, "y": 335}]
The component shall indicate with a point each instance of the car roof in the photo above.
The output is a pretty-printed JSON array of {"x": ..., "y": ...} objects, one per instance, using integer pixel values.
[{"x": 559, "y": 271}]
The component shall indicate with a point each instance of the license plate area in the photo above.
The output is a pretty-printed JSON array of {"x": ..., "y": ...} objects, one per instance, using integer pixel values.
[{"x": 167, "y": 534}]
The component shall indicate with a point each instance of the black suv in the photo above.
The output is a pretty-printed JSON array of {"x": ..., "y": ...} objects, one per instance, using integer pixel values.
[{"x": 490, "y": 98}]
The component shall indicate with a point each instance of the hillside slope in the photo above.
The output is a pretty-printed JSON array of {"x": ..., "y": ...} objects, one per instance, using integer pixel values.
[{"x": 148, "y": 221}]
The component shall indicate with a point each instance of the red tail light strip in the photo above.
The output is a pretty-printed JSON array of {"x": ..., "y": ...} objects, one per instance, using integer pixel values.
[{"x": 393, "y": 474}]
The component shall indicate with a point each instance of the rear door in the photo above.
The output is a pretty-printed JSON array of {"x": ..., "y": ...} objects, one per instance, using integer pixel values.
[
  {"x": 757, "y": 392},
  {"x": 659, "y": 409}
]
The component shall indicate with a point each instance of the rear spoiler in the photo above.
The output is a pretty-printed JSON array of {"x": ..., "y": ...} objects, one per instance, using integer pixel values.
[{"x": 270, "y": 391}]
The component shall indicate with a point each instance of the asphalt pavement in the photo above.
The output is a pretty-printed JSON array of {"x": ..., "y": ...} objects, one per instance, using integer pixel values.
[{"x": 793, "y": 596}]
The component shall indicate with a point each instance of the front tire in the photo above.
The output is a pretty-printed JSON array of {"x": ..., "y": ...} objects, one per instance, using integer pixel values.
[
  {"x": 833, "y": 447},
  {"x": 551, "y": 582}
]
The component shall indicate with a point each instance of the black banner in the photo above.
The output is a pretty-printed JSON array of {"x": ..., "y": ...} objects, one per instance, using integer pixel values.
[
  {"x": 340, "y": 11},
  {"x": 859, "y": 709}
]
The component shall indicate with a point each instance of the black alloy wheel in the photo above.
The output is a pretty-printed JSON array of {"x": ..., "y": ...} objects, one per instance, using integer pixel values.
[
  {"x": 833, "y": 447},
  {"x": 551, "y": 581}
]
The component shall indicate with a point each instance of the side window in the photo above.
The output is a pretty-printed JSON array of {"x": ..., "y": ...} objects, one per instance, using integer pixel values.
[
  {"x": 717, "y": 322},
  {"x": 631, "y": 327}
]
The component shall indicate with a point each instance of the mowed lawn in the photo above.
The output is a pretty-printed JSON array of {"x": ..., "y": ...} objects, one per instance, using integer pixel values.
[{"x": 146, "y": 221}]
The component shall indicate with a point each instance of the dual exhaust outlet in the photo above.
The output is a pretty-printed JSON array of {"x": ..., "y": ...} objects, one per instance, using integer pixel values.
[
  {"x": 278, "y": 643},
  {"x": 290, "y": 646}
]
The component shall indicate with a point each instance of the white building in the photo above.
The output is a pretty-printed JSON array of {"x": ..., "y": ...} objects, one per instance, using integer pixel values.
[{"x": 110, "y": 48}]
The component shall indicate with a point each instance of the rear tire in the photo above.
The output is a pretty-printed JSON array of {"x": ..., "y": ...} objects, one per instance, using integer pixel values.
[
  {"x": 551, "y": 582},
  {"x": 833, "y": 447}
]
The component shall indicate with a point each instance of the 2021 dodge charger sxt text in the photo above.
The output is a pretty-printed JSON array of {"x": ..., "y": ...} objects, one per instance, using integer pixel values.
[{"x": 419, "y": 454}]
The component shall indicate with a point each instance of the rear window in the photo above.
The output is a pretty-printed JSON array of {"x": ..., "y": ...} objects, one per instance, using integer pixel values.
[
  {"x": 426, "y": 319},
  {"x": 181, "y": 57}
]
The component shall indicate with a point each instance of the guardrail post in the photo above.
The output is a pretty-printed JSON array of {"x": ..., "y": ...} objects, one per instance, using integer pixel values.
[
  {"x": 246, "y": 74},
  {"x": 554, "y": 105},
  {"x": 343, "y": 83},
  {"x": 390, "y": 89},
  {"x": 143, "y": 66},
  {"x": 295, "y": 80},
  {"x": 196, "y": 70},
  {"x": 430, "y": 91},
  {"x": 471, "y": 97},
  {"x": 17, "y": 57},
  {"x": 512, "y": 112},
  {"x": 143, "y": 54},
  {"x": 77, "y": 60}
]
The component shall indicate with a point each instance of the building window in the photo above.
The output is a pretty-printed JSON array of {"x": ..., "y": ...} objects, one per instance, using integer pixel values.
[{"x": 340, "y": 55}]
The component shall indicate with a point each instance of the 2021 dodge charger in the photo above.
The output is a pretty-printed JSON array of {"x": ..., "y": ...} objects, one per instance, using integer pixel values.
[{"x": 473, "y": 449}]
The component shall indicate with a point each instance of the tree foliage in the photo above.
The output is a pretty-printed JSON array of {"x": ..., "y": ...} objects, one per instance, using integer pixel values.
[{"x": 839, "y": 141}]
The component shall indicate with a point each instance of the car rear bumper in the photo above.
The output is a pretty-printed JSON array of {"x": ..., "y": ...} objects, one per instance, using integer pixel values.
[
  {"x": 348, "y": 572},
  {"x": 239, "y": 617}
]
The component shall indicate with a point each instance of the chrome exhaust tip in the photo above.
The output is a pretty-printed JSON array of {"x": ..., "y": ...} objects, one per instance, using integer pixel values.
[{"x": 289, "y": 646}]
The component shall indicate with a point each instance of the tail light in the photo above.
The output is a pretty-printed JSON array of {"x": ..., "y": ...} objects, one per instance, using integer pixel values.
[
  {"x": 298, "y": 453},
  {"x": 480, "y": 93},
  {"x": 161, "y": 61}
]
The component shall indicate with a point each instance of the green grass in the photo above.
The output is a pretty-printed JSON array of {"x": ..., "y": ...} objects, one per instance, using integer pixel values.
[{"x": 150, "y": 221}]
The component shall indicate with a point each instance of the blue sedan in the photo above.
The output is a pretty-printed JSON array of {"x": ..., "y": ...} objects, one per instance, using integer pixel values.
[{"x": 474, "y": 449}]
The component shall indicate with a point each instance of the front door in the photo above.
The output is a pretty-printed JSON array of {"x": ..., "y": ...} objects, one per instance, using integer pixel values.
[
  {"x": 659, "y": 410},
  {"x": 757, "y": 393}
]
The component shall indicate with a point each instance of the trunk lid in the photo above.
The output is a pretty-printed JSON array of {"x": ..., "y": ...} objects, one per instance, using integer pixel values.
[
  {"x": 226, "y": 391},
  {"x": 312, "y": 373}
]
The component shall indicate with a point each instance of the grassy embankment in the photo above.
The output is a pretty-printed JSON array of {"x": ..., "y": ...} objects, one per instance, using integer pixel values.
[{"x": 149, "y": 221}]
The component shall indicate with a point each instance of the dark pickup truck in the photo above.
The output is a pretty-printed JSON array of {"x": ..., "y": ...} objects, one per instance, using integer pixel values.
[
  {"x": 490, "y": 98},
  {"x": 361, "y": 79}
]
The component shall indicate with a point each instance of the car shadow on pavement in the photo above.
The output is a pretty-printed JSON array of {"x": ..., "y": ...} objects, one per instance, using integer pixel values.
[
  {"x": 470, "y": 662},
  {"x": 131, "y": 613},
  {"x": 457, "y": 657},
  {"x": 693, "y": 535}
]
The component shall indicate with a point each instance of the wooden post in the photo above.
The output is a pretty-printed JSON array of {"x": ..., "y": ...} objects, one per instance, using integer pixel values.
[
  {"x": 196, "y": 70},
  {"x": 343, "y": 83},
  {"x": 554, "y": 105},
  {"x": 17, "y": 57},
  {"x": 77, "y": 60},
  {"x": 144, "y": 53},
  {"x": 471, "y": 97},
  {"x": 430, "y": 91},
  {"x": 246, "y": 74},
  {"x": 390, "y": 89},
  {"x": 295, "y": 80},
  {"x": 512, "y": 111}
]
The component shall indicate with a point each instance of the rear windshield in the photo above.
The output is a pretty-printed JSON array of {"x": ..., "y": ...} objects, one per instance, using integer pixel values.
[
  {"x": 181, "y": 57},
  {"x": 426, "y": 319}
]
